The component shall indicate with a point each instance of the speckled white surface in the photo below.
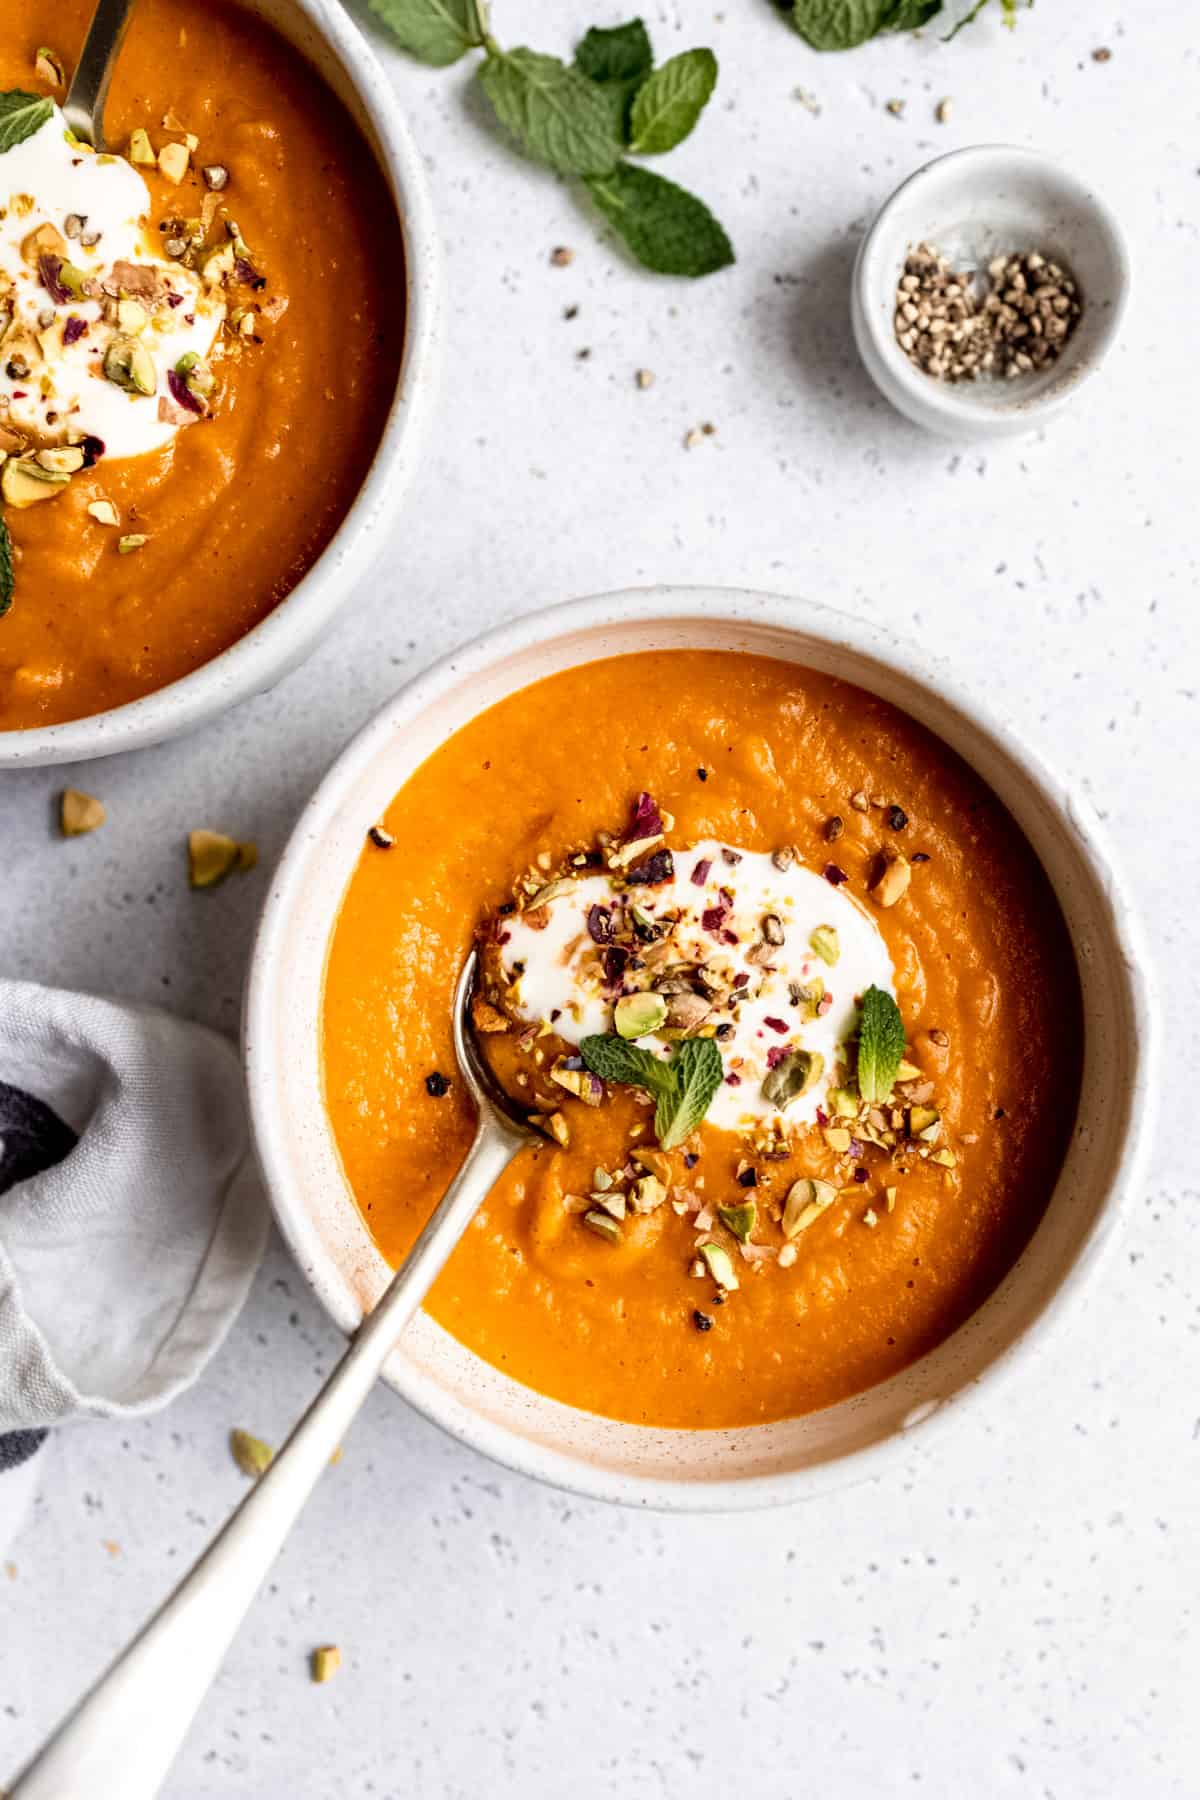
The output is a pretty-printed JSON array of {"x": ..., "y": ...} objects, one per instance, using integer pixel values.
[{"x": 1014, "y": 1612}]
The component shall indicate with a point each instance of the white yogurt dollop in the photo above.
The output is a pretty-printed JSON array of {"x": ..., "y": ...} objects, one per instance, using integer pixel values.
[
  {"x": 52, "y": 382},
  {"x": 715, "y": 908}
]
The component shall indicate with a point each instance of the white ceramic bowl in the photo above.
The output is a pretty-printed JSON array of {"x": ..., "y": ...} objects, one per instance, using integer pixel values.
[
  {"x": 330, "y": 43},
  {"x": 972, "y": 205},
  {"x": 469, "y": 1398}
]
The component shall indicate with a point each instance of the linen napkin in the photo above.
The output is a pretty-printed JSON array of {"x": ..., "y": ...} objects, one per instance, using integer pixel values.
[{"x": 131, "y": 1218}]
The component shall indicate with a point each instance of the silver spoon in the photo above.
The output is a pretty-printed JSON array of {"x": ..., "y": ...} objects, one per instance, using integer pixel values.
[
  {"x": 84, "y": 104},
  {"x": 121, "y": 1739}
]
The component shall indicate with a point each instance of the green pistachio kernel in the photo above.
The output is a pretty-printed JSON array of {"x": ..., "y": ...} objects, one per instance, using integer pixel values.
[
  {"x": 741, "y": 1220},
  {"x": 719, "y": 1265},
  {"x": 635, "y": 1015},
  {"x": 129, "y": 365},
  {"x": 824, "y": 943},
  {"x": 807, "y": 1200},
  {"x": 792, "y": 1077}
]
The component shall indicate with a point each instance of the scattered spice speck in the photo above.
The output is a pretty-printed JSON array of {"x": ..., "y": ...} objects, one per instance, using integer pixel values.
[
  {"x": 326, "y": 1661},
  {"x": 1102, "y": 55},
  {"x": 896, "y": 108},
  {"x": 437, "y": 1085},
  {"x": 645, "y": 378},
  {"x": 943, "y": 111},
  {"x": 562, "y": 256}
]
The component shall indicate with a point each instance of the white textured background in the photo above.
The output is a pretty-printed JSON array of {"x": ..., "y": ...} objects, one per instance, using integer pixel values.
[{"x": 1012, "y": 1613}]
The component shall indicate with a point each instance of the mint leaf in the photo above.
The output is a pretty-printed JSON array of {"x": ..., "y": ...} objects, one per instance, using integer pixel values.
[
  {"x": 698, "y": 1072},
  {"x": 620, "y": 54},
  {"x": 437, "y": 32},
  {"x": 666, "y": 228},
  {"x": 617, "y": 61},
  {"x": 880, "y": 1045},
  {"x": 682, "y": 1089},
  {"x": 669, "y": 103},
  {"x": 557, "y": 115},
  {"x": 8, "y": 580},
  {"x": 840, "y": 24},
  {"x": 910, "y": 15},
  {"x": 614, "y": 1058},
  {"x": 21, "y": 115}
]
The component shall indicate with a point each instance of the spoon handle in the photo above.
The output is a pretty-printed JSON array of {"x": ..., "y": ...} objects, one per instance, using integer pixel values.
[
  {"x": 84, "y": 104},
  {"x": 120, "y": 1741}
]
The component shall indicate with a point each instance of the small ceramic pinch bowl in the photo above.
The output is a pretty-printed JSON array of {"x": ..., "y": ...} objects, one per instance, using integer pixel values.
[
  {"x": 974, "y": 205},
  {"x": 478, "y": 1404}
]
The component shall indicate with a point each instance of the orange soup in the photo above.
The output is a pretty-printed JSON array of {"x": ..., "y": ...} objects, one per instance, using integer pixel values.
[
  {"x": 246, "y": 329},
  {"x": 787, "y": 995}
]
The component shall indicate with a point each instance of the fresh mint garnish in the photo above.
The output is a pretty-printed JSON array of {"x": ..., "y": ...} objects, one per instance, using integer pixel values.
[
  {"x": 21, "y": 115},
  {"x": 667, "y": 229},
  {"x": 438, "y": 32},
  {"x": 844, "y": 24},
  {"x": 8, "y": 580},
  {"x": 880, "y": 1045},
  {"x": 671, "y": 100},
  {"x": 682, "y": 1089},
  {"x": 556, "y": 114},
  {"x": 581, "y": 118}
]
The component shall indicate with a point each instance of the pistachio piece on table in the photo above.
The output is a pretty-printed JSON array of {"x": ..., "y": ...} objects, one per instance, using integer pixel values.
[
  {"x": 740, "y": 1220},
  {"x": 825, "y": 943},
  {"x": 719, "y": 1264},
  {"x": 792, "y": 1077},
  {"x": 807, "y": 1200},
  {"x": 79, "y": 813},
  {"x": 635, "y": 1015},
  {"x": 326, "y": 1661},
  {"x": 212, "y": 856},
  {"x": 251, "y": 1455},
  {"x": 892, "y": 879},
  {"x": 129, "y": 365}
]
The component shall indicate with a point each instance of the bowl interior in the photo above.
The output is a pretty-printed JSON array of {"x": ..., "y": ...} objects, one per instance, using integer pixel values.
[
  {"x": 322, "y": 34},
  {"x": 300, "y": 1159},
  {"x": 973, "y": 205}
]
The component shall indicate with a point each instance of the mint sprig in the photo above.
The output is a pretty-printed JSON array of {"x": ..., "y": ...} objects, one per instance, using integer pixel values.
[
  {"x": 8, "y": 579},
  {"x": 682, "y": 1089},
  {"x": 581, "y": 118},
  {"x": 880, "y": 1045},
  {"x": 21, "y": 115},
  {"x": 844, "y": 24}
]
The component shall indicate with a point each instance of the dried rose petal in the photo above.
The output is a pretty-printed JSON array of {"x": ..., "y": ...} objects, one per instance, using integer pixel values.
[
  {"x": 93, "y": 450},
  {"x": 779, "y": 1025},
  {"x": 742, "y": 980},
  {"x": 49, "y": 269},
  {"x": 615, "y": 959},
  {"x": 74, "y": 329},
  {"x": 833, "y": 875},
  {"x": 700, "y": 872},
  {"x": 248, "y": 274},
  {"x": 733, "y": 1081},
  {"x": 646, "y": 820},
  {"x": 775, "y": 1055}
]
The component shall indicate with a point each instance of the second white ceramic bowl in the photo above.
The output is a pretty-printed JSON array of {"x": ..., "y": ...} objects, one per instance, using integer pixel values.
[
  {"x": 474, "y": 1401},
  {"x": 325, "y": 37},
  {"x": 972, "y": 205}
]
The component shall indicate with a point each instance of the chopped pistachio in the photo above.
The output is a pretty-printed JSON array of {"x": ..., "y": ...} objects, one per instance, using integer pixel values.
[
  {"x": 922, "y": 1118},
  {"x": 104, "y": 512},
  {"x": 173, "y": 162},
  {"x": 889, "y": 1198},
  {"x": 220, "y": 263},
  {"x": 326, "y": 1661},
  {"x": 655, "y": 1162},
  {"x": 792, "y": 1077},
  {"x": 129, "y": 365},
  {"x": 44, "y": 241},
  {"x": 132, "y": 317},
  {"x": 23, "y": 482},
  {"x": 740, "y": 1220},
  {"x": 871, "y": 1217},
  {"x": 65, "y": 459},
  {"x": 843, "y": 1103},
  {"x": 891, "y": 883},
  {"x": 614, "y": 1203},
  {"x": 825, "y": 944},
  {"x": 141, "y": 150},
  {"x": 212, "y": 856},
  {"x": 557, "y": 1128},
  {"x": 133, "y": 541},
  {"x": 945, "y": 1158},
  {"x": 80, "y": 813},
  {"x": 216, "y": 176},
  {"x": 908, "y": 1072},
  {"x": 647, "y": 1194},
  {"x": 601, "y": 1179},
  {"x": 553, "y": 890},
  {"x": 251, "y": 1455},
  {"x": 807, "y": 1200},
  {"x": 838, "y": 1138},
  {"x": 807, "y": 996},
  {"x": 603, "y": 1226},
  {"x": 720, "y": 1266},
  {"x": 787, "y": 1256},
  {"x": 49, "y": 67},
  {"x": 635, "y": 1015}
]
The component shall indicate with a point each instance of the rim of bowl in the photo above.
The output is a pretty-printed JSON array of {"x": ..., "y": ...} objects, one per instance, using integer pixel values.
[
  {"x": 891, "y": 370},
  {"x": 282, "y": 640},
  {"x": 678, "y": 605}
]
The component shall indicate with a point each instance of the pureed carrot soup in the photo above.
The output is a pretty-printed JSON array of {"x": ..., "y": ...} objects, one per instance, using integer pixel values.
[
  {"x": 789, "y": 999},
  {"x": 199, "y": 341}
]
